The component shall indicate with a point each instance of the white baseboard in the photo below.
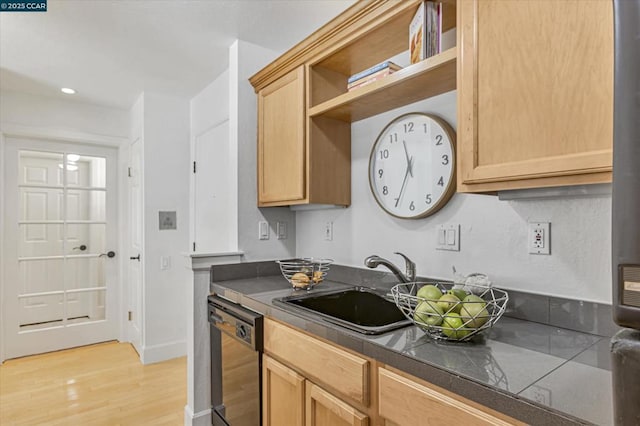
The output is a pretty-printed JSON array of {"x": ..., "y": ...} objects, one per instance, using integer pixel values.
[
  {"x": 202, "y": 418},
  {"x": 163, "y": 352}
]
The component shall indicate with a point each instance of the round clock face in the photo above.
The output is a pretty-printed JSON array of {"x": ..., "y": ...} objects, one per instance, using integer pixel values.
[{"x": 412, "y": 166}]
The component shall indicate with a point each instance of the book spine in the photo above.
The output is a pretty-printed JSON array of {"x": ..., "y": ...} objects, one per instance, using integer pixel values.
[
  {"x": 366, "y": 82},
  {"x": 374, "y": 69},
  {"x": 418, "y": 34},
  {"x": 382, "y": 73},
  {"x": 439, "y": 30}
]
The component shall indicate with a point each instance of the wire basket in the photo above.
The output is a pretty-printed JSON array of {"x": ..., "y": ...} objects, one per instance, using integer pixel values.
[
  {"x": 305, "y": 273},
  {"x": 450, "y": 318}
]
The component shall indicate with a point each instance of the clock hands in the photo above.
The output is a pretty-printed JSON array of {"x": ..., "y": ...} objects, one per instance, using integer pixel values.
[
  {"x": 404, "y": 182},
  {"x": 409, "y": 160}
]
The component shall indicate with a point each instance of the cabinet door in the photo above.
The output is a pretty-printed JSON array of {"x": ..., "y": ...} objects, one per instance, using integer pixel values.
[
  {"x": 535, "y": 84},
  {"x": 406, "y": 402},
  {"x": 324, "y": 409},
  {"x": 281, "y": 146},
  {"x": 282, "y": 394}
]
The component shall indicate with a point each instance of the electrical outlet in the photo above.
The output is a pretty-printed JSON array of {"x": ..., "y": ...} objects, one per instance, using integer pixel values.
[
  {"x": 328, "y": 231},
  {"x": 263, "y": 230},
  {"x": 539, "y": 238}
]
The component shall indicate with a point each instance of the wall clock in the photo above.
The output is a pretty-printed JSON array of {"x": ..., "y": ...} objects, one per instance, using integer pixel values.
[{"x": 412, "y": 166}]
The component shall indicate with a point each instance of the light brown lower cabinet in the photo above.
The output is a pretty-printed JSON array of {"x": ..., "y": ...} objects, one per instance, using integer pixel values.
[
  {"x": 289, "y": 399},
  {"x": 405, "y": 401},
  {"x": 282, "y": 395},
  {"x": 324, "y": 409}
]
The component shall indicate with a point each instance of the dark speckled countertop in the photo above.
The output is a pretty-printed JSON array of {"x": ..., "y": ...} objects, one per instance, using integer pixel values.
[{"x": 537, "y": 373}]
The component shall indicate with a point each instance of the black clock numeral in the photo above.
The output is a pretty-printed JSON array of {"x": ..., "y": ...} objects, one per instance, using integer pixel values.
[
  {"x": 441, "y": 181},
  {"x": 426, "y": 129},
  {"x": 412, "y": 206},
  {"x": 428, "y": 201},
  {"x": 385, "y": 190},
  {"x": 439, "y": 140},
  {"x": 384, "y": 153},
  {"x": 380, "y": 173},
  {"x": 445, "y": 159},
  {"x": 408, "y": 127},
  {"x": 393, "y": 138}
]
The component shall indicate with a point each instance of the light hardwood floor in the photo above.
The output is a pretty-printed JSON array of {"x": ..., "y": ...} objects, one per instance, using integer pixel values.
[{"x": 102, "y": 384}]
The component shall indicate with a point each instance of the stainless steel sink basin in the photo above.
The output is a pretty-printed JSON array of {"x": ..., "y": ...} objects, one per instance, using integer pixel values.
[{"x": 359, "y": 308}]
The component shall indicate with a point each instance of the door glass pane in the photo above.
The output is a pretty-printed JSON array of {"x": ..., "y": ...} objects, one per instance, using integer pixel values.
[
  {"x": 41, "y": 204},
  {"x": 40, "y": 168},
  {"x": 86, "y": 172},
  {"x": 37, "y": 276},
  {"x": 86, "y": 238},
  {"x": 84, "y": 272},
  {"x": 40, "y": 240},
  {"x": 83, "y": 204},
  {"x": 86, "y": 306},
  {"x": 41, "y": 311}
]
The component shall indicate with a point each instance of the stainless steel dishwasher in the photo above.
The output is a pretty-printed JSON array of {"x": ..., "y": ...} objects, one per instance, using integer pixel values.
[{"x": 236, "y": 344}]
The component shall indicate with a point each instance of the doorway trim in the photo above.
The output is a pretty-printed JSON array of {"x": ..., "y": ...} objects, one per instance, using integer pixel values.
[{"x": 8, "y": 130}]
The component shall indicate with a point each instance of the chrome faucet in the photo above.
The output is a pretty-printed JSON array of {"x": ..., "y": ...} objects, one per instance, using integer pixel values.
[{"x": 410, "y": 275}]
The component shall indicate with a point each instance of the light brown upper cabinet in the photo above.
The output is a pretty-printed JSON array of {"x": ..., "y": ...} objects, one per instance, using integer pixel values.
[
  {"x": 535, "y": 93},
  {"x": 281, "y": 150},
  {"x": 305, "y": 111}
]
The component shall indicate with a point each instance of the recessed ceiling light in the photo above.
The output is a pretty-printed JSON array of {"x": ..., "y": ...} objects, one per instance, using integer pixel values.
[{"x": 68, "y": 90}]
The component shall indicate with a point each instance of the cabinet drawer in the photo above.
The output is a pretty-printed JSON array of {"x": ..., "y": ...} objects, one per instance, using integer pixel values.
[
  {"x": 340, "y": 370},
  {"x": 406, "y": 402}
]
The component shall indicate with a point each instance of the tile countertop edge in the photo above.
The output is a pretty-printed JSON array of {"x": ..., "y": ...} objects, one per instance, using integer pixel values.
[{"x": 503, "y": 401}]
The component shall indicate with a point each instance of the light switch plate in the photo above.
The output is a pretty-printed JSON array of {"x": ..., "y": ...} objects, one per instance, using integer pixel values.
[
  {"x": 448, "y": 237},
  {"x": 281, "y": 230},
  {"x": 263, "y": 230}
]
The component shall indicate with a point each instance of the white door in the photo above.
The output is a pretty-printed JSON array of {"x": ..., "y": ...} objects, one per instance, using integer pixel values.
[
  {"x": 61, "y": 227},
  {"x": 214, "y": 226},
  {"x": 136, "y": 238}
]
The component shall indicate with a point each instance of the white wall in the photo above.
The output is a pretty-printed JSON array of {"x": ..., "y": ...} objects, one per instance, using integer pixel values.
[
  {"x": 166, "y": 179},
  {"x": 211, "y": 105},
  {"x": 39, "y": 111},
  {"x": 245, "y": 60},
  {"x": 493, "y": 232}
]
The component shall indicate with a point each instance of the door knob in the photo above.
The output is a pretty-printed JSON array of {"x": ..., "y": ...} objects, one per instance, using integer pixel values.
[
  {"x": 81, "y": 248},
  {"x": 135, "y": 257},
  {"x": 108, "y": 254}
]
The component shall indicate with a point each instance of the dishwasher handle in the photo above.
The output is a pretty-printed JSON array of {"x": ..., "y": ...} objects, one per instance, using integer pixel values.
[{"x": 215, "y": 318}]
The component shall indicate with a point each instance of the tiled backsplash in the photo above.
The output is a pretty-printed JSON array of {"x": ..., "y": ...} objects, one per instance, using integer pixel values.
[{"x": 587, "y": 317}]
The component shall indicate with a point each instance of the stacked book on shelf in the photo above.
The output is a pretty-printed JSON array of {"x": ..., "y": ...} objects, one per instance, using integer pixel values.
[
  {"x": 427, "y": 35},
  {"x": 372, "y": 74}
]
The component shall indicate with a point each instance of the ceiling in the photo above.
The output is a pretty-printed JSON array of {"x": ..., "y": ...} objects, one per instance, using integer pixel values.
[{"x": 110, "y": 51}]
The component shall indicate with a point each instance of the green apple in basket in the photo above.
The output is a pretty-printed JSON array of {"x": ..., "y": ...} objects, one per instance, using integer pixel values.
[
  {"x": 451, "y": 327},
  {"x": 428, "y": 313},
  {"x": 458, "y": 292},
  {"x": 449, "y": 303},
  {"x": 474, "y": 311},
  {"x": 429, "y": 292}
]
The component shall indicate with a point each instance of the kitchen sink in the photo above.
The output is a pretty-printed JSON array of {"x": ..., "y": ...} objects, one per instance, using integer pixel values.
[{"x": 359, "y": 309}]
